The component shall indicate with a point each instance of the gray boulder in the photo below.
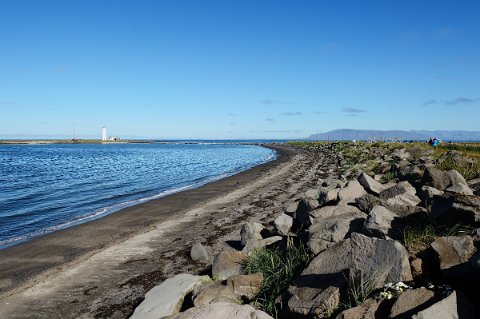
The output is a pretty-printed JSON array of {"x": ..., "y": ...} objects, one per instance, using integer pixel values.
[
  {"x": 317, "y": 290},
  {"x": 305, "y": 206},
  {"x": 428, "y": 192},
  {"x": 247, "y": 286},
  {"x": 228, "y": 263},
  {"x": 436, "y": 178},
  {"x": 283, "y": 224},
  {"x": 454, "y": 209},
  {"x": 410, "y": 173},
  {"x": 379, "y": 222},
  {"x": 454, "y": 306},
  {"x": 213, "y": 292},
  {"x": 199, "y": 253},
  {"x": 350, "y": 192},
  {"x": 167, "y": 298},
  {"x": 328, "y": 211},
  {"x": 251, "y": 232},
  {"x": 400, "y": 154},
  {"x": 327, "y": 231},
  {"x": 474, "y": 185},
  {"x": 314, "y": 302},
  {"x": 369, "y": 309},
  {"x": 291, "y": 208},
  {"x": 370, "y": 184},
  {"x": 257, "y": 244},
  {"x": 458, "y": 184},
  {"x": 313, "y": 194},
  {"x": 367, "y": 202},
  {"x": 412, "y": 301},
  {"x": 453, "y": 250},
  {"x": 400, "y": 188},
  {"x": 328, "y": 196},
  {"x": 403, "y": 193},
  {"x": 379, "y": 259},
  {"x": 222, "y": 310}
]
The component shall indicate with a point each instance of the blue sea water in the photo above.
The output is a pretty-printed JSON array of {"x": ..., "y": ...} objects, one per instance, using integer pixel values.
[{"x": 48, "y": 187}]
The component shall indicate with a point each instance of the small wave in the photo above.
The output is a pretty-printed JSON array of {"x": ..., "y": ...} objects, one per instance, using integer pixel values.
[{"x": 101, "y": 212}]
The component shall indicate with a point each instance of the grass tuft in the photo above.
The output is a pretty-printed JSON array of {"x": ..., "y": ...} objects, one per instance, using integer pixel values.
[
  {"x": 278, "y": 269},
  {"x": 360, "y": 288}
]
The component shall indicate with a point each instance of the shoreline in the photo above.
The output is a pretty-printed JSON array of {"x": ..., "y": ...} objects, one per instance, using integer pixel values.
[
  {"x": 116, "y": 207},
  {"x": 30, "y": 259}
]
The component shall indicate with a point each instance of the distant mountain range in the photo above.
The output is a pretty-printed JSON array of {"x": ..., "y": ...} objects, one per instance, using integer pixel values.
[{"x": 346, "y": 134}]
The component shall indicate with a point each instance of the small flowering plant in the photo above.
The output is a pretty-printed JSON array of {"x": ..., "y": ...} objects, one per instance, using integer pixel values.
[{"x": 393, "y": 290}]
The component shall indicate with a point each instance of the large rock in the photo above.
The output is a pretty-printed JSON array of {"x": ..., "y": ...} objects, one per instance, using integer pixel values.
[
  {"x": 246, "y": 285},
  {"x": 370, "y": 184},
  {"x": 251, "y": 231},
  {"x": 452, "y": 307},
  {"x": 453, "y": 250},
  {"x": 214, "y": 292},
  {"x": 377, "y": 259},
  {"x": 313, "y": 194},
  {"x": 252, "y": 237},
  {"x": 412, "y": 301},
  {"x": 367, "y": 202},
  {"x": 222, "y": 310},
  {"x": 228, "y": 263},
  {"x": 436, "y": 178},
  {"x": 369, "y": 309},
  {"x": 252, "y": 245},
  {"x": 327, "y": 231},
  {"x": 379, "y": 222},
  {"x": 283, "y": 224},
  {"x": 301, "y": 216},
  {"x": 317, "y": 290},
  {"x": 474, "y": 185},
  {"x": 428, "y": 192},
  {"x": 410, "y": 173},
  {"x": 328, "y": 211},
  {"x": 400, "y": 188},
  {"x": 309, "y": 203},
  {"x": 199, "y": 253},
  {"x": 291, "y": 208},
  {"x": 349, "y": 193},
  {"x": 458, "y": 184},
  {"x": 328, "y": 196},
  {"x": 400, "y": 154},
  {"x": 314, "y": 302},
  {"x": 403, "y": 193},
  {"x": 167, "y": 298},
  {"x": 454, "y": 209}
]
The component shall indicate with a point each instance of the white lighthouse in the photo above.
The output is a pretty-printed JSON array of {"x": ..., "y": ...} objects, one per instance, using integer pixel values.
[{"x": 104, "y": 133}]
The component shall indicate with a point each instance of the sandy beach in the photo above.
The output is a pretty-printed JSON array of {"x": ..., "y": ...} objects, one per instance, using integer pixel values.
[{"x": 103, "y": 268}]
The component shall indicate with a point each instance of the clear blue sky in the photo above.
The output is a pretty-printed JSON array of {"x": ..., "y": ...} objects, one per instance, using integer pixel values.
[{"x": 236, "y": 69}]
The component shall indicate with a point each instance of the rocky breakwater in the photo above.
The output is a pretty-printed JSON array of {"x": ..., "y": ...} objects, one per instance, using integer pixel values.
[{"x": 388, "y": 234}]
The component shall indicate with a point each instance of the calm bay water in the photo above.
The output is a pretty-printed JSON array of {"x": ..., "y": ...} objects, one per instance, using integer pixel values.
[{"x": 48, "y": 187}]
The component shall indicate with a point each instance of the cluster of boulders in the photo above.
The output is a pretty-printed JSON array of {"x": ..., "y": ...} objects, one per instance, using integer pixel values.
[{"x": 355, "y": 226}]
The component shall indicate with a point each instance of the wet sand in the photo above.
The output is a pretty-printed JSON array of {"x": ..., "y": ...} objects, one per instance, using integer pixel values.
[{"x": 103, "y": 268}]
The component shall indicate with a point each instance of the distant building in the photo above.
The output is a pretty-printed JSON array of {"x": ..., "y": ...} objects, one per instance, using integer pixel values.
[
  {"x": 104, "y": 133},
  {"x": 112, "y": 138}
]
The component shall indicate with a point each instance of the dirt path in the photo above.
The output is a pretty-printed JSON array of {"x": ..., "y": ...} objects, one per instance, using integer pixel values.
[{"x": 110, "y": 281}]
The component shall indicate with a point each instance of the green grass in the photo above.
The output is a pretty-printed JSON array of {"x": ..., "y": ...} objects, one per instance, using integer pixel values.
[
  {"x": 387, "y": 177},
  {"x": 469, "y": 170},
  {"x": 360, "y": 288},
  {"x": 417, "y": 237},
  {"x": 278, "y": 269}
]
